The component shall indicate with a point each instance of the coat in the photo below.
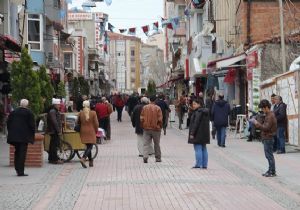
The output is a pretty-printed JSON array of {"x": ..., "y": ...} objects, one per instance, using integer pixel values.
[
  {"x": 20, "y": 126},
  {"x": 280, "y": 114},
  {"x": 54, "y": 123},
  {"x": 135, "y": 118},
  {"x": 199, "y": 127},
  {"x": 88, "y": 128},
  {"x": 220, "y": 112}
]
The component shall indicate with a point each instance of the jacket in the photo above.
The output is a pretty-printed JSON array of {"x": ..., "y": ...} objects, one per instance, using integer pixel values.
[
  {"x": 135, "y": 118},
  {"x": 151, "y": 117},
  {"x": 199, "y": 127},
  {"x": 88, "y": 128},
  {"x": 20, "y": 126},
  {"x": 268, "y": 127},
  {"x": 54, "y": 123},
  {"x": 119, "y": 102},
  {"x": 164, "y": 109},
  {"x": 102, "y": 110},
  {"x": 220, "y": 112},
  {"x": 280, "y": 114}
]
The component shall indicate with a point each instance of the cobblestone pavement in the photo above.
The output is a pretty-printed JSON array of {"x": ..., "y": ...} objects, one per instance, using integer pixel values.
[{"x": 120, "y": 179}]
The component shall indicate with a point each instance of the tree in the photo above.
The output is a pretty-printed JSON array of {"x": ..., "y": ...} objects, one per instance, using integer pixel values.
[
  {"x": 75, "y": 88},
  {"x": 61, "y": 90},
  {"x": 47, "y": 90},
  {"x": 25, "y": 83},
  {"x": 84, "y": 86},
  {"x": 151, "y": 88}
]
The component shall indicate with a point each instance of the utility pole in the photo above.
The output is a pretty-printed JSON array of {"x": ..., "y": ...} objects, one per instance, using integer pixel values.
[{"x": 282, "y": 37}]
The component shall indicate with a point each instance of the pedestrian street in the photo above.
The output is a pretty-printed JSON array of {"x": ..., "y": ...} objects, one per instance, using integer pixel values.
[{"x": 120, "y": 179}]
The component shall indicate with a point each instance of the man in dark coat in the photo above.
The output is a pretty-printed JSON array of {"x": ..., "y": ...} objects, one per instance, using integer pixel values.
[
  {"x": 136, "y": 123},
  {"x": 54, "y": 129},
  {"x": 220, "y": 113},
  {"x": 21, "y": 128},
  {"x": 199, "y": 133},
  {"x": 132, "y": 101},
  {"x": 281, "y": 116},
  {"x": 164, "y": 109}
]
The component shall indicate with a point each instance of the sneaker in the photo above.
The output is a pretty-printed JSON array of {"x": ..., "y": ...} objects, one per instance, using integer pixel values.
[{"x": 145, "y": 160}]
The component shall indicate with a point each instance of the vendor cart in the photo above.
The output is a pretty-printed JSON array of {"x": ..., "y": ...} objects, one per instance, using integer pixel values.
[{"x": 70, "y": 143}]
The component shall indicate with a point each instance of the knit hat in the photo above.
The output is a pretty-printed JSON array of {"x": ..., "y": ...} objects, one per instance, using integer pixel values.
[{"x": 55, "y": 101}]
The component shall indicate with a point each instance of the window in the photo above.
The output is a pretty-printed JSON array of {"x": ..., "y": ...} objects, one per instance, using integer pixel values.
[
  {"x": 181, "y": 9},
  {"x": 35, "y": 28},
  {"x": 68, "y": 60},
  {"x": 199, "y": 22},
  {"x": 56, "y": 3},
  {"x": 132, "y": 53}
]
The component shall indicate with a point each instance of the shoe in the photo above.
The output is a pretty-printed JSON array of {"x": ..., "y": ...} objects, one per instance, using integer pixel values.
[
  {"x": 158, "y": 160},
  {"x": 165, "y": 132},
  {"x": 223, "y": 146},
  {"x": 151, "y": 154},
  {"x": 267, "y": 172},
  {"x": 270, "y": 174},
  {"x": 141, "y": 156},
  {"x": 91, "y": 163},
  {"x": 145, "y": 160},
  {"x": 280, "y": 152},
  {"x": 82, "y": 161},
  {"x": 195, "y": 167},
  {"x": 22, "y": 174},
  {"x": 214, "y": 137},
  {"x": 204, "y": 167},
  {"x": 249, "y": 140},
  {"x": 57, "y": 162}
]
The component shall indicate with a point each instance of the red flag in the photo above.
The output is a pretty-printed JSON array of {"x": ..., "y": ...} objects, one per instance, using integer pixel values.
[
  {"x": 170, "y": 26},
  {"x": 145, "y": 29},
  {"x": 122, "y": 30},
  {"x": 156, "y": 24},
  {"x": 131, "y": 31}
]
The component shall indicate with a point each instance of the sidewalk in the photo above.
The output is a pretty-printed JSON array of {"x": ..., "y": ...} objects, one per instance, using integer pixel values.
[{"x": 120, "y": 179}]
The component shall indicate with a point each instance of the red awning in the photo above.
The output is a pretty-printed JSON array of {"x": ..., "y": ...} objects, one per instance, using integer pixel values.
[
  {"x": 8, "y": 43},
  {"x": 171, "y": 81}
]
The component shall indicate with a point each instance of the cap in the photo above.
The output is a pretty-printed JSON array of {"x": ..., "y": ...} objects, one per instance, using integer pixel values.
[{"x": 55, "y": 101}]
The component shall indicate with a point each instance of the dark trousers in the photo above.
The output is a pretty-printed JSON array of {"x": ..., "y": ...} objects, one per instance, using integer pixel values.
[
  {"x": 119, "y": 110},
  {"x": 54, "y": 144},
  {"x": 108, "y": 133},
  {"x": 268, "y": 148},
  {"x": 20, "y": 157},
  {"x": 88, "y": 152},
  {"x": 103, "y": 123}
]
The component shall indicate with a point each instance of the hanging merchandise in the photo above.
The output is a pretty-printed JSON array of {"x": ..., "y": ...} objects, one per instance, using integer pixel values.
[
  {"x": 230, "y": 76},
  {"x": 108, "y": 2},
  {"x": 145, "y": 29},
  {"x": 122, "y": 30},
  {"x": 132, "y": 31},
  {"x": 110, "y": 27}
]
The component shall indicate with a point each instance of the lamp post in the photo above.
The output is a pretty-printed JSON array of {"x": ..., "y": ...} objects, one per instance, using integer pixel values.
[{"x": 282, "y": 37}]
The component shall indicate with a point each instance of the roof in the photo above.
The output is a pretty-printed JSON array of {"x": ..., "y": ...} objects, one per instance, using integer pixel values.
[
  {"x": 116, "y": 36},
  {"x": 292, "y": 38}
]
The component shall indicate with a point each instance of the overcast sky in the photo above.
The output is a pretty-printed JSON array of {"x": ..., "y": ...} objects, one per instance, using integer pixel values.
[{"x": 124, "y": 14}]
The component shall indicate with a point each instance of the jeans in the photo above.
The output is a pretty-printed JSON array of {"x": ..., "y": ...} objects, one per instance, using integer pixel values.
[
  {"x": 201, "y": 155},
  {"x": 268, "y": 148},
  {"x": 281, "y": 139},
  {"x": 221, "y": 135}
]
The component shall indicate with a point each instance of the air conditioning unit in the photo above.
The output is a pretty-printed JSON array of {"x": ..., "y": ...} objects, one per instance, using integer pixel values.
[{"x": 220, "y": 45}]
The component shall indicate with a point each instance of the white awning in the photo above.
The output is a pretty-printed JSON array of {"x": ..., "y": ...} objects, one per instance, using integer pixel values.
[{"x": 230, "y": 61}]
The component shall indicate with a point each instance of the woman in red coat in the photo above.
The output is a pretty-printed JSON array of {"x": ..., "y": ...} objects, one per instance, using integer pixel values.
[{"x": 119, "y": 105}]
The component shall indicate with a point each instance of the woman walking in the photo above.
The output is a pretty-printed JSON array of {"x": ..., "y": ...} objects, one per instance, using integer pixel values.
[
  {"x": 199, "y": 134},
  {"x": 119, "y": 106},
  {"x": 88, "y": 128}
]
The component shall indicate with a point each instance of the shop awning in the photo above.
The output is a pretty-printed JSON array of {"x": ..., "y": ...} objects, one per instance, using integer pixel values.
[
  {"x": 8, "y": 43},
  {"x": 231, "y": 60},
  {"x": 171, "y": 81}
]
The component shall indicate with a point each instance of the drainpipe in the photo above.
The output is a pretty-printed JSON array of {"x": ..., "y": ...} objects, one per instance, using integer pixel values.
[{"x": 248, "y": 22}]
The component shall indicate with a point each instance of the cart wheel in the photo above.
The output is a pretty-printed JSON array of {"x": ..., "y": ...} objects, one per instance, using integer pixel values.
[
  {"x": 65, "y": 151},
  {"x": 94, "y": 152}
]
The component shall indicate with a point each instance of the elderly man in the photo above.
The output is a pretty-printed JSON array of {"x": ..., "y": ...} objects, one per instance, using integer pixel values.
[
  {"x": 281, "y": 117},
  {"x": 151, "y": 121},
  {"x": 21, "y": 128},
  {"x": 54, "y": 129}
]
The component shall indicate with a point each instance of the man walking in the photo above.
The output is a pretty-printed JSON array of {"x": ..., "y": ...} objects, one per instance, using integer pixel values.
[
  {"x": 21, "y": 128},
  {"x": 54, "y": 129},
  {"x": 281, "y": 117},
  {"x": 220, "y": 112},
  {"x": 151, "y": 121},
  {"x": 103, "y": 113},
  {"x": 164, "y": 109},
  {"x": 268, "y": 130}
]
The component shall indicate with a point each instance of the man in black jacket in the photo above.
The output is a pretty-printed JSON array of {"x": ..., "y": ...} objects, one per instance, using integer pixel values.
[
  {"x": 281, "y": 116},
  {"x": 21, "y": 128},
  {"x": 54, "y": 129},
  {"x": 136, "y": 123}
]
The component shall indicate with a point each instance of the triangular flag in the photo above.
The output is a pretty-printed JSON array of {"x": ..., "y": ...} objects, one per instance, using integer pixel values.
[
  {"x": 122, "y": 30},
  {"x": 187, "y": 13},
  {"x": 108, "y": 2},
  {"x": 145, "y": 29},
  {"x": 175, "y": 22},
  {"x": 164, "y": 22},
  {"x": 170, "y": 26},
  {"x": 131, "y": 31},
  {"x": 110, "y": 27},
  {"x": 155, "y": 26}
]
